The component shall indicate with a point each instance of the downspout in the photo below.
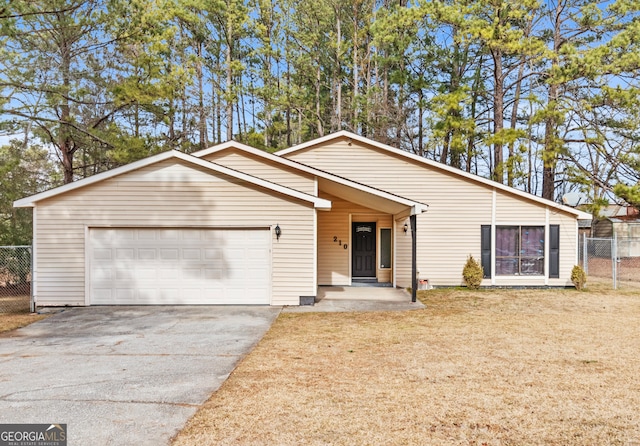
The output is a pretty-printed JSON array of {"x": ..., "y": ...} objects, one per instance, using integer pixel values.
[{"x": 414, "y": 269}]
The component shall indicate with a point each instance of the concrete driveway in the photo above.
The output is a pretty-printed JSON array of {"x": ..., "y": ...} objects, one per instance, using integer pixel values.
[{"x": 123, "y": 375}]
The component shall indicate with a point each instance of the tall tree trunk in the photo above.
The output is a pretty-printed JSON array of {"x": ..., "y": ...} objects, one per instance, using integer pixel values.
[
  {"x": 550, "y": 128},
  {"x": 288, "y": 111},
  {"x": 300, "y": 112},
  {"x": 445, "y": 148},
  {"x": 136, "y": 119},
  {"x": 498, "y": 115},
  {"x": 65, "y": 140},
  {"x": 318, "y": 109},
  {"x": 202, "y": 115},
  {"x": 338, "y": 71},
  {"x": 513, "y": 124},
  {"x": 241, "y": 125},
  {"x": 172, "y": 122},
  {"x": 229, "y": 84},
  {"x": 474, "y": 101},
  {"x": 420, "y": 125},
  {"x": 217, "y": 99},
  {"x": 185, "y": 121},
  {"x": 550, "y": 146},
  {"x": 354, "y": 104}
]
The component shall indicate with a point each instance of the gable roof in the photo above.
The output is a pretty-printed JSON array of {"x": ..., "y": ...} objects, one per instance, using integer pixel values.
[
  {"x": 416, "y": 207},
  {"x": 435, "y": 165},
  {"x": 31, "y": 201}
]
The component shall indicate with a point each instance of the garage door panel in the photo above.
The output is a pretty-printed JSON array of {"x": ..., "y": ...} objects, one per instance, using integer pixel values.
[
  {"x": 99, "y": 274},
  {"x": 146, "y": 235},
  {"x": 102, "y": 294},
  {"x": 168, "y": 234},
  {"x": 124, "y": 234},
  {"x": 213, "y": 273},
  {"x": 124, "y": 274},
  {"x": 179, "y": 266},
  {"x": 191, "y": 254},
  {"x": 169, "y": 254},
  {"x": 102, "y": 254},
  {"x": 124, "y": 295},
  {"x": 125, "y": 254},
  {"x": 213, "y": 254},
  {"x": 192, "y": 274},
  {"x": 235, "y": 254},
  {"x": 147, "y": 254},
  {"x": 191, "y": 234},
  {"x": 147, "y": 273},
  {"x": 258, "y": 274},
  {"x": 171, "y": 273}
]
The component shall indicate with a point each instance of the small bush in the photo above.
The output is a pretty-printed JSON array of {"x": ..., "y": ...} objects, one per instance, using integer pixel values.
[
  {"x": 578, "y": 277},
  {"x": 472, "y": 273}
]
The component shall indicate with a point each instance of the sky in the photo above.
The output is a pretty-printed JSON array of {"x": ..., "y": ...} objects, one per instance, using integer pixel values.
[{"x": 4, "y": 139}]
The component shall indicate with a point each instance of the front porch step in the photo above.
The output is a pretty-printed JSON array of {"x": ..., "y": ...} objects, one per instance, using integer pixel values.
[{"x": 370, "y": 283}]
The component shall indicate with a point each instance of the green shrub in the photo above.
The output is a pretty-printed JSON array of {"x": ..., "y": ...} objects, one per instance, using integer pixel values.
[
  {"x": 578, "y": 277},
  {"x": 472, "y": 273}
]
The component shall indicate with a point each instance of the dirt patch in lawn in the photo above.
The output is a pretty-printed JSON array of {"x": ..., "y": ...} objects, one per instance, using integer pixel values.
[{"x": 487, "y": 367}]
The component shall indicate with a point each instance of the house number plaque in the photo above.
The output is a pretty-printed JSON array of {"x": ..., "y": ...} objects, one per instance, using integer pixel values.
[{"x": 339, "y": 242}]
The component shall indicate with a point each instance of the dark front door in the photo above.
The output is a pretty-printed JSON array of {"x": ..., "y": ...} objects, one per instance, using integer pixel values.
[{"x": 364, "y": 250}]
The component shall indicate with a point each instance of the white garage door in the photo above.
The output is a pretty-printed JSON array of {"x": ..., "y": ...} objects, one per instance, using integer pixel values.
[{"x": 146, "y": 266}]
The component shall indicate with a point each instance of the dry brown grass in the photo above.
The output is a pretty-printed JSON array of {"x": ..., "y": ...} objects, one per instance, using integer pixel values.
[
  {"x": 19, "y": 303},
  {"x": 11, "y": 321},
  {"x": 552, "y": 367}
]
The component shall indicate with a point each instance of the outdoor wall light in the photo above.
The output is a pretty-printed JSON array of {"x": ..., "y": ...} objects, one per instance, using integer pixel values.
[
  {"x": 278, "y": 231},
  {"x": 406, "y": 228}
]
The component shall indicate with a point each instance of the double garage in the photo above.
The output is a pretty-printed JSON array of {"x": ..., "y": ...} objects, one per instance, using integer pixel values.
[
  {"x": 179, "y": 266},
  {"x": 173, "y": 229}
]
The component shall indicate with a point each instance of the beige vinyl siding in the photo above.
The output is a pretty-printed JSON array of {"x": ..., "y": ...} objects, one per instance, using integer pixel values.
[
  {"x": 450, "y": 230},
  {"x": 512, "y": 209},
  {"x": 191, "y": 198},
  {"x": 333, "y": 260},
  {"x": 568, "y": 246},
  {"x": 450, "y": 199},
  {"x": 358, "y": 163},
  {"x": 403, "y": 254},
  {"x": 261, "y": 168}
]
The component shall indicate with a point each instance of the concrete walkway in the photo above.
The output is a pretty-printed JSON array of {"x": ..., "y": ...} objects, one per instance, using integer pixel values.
[
  {"x": 123, "y": 375},
  {"x": 360, "y": 298}
]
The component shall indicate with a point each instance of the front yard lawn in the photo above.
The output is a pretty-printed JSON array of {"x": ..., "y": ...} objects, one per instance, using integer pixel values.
[{"x": 486, "y": 367}]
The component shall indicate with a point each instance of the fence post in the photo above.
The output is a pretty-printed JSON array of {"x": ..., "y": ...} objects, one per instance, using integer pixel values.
[
  {"x": 585, "y": 263},
  {"x": 32, "y": 303},
  {"x": 614, "y": 260}
]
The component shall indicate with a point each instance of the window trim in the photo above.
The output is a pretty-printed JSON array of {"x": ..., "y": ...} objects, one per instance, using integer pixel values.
[
  {"x": 390, "y": 266},
  {"x": 519, "y": 257}
]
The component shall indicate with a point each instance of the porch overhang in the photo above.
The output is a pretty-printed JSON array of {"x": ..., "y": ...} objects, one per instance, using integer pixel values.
[{"x": 372, "y": 198}]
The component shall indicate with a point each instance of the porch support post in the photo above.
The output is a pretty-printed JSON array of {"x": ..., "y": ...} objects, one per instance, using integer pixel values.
[{"x": 414, "y": 268}]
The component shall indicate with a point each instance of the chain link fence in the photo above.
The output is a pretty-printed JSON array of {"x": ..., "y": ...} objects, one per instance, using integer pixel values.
[
  {"x": 628, "y": 262},
  {"x": 15, "y": 279},
  {"x": 613, "y": 259}
]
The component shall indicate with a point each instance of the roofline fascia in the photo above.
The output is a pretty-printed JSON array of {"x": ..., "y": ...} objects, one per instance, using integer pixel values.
[
  {"x": 346, "y": 134},
  {"x": 312, "y": 171},
  {"x": 222, "y": 146},
  {"x": 31, "y": 201}
]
